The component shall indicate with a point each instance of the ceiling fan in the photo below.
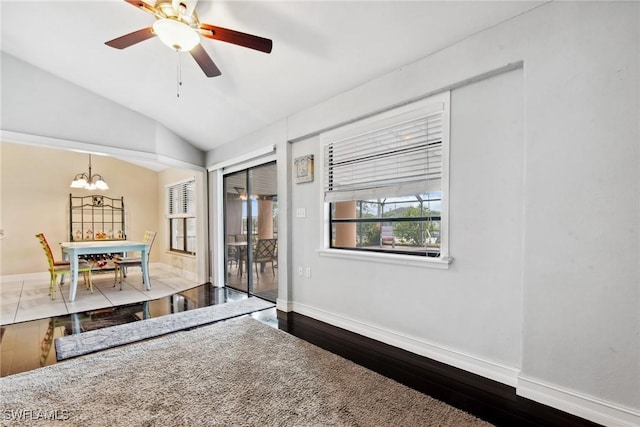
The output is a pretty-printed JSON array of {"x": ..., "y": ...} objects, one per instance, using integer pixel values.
[{"x": 178, "y": 27}]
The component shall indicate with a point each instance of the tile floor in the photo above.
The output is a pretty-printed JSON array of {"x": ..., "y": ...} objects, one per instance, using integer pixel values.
[
  {"x": 30, "y": 320},
  {"x": 25, "y": 300}
]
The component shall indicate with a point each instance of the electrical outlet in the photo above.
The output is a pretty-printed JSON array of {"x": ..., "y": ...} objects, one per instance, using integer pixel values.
[
  {"x": 300, "y": 271},
  {"x": 307, "y": 272}
]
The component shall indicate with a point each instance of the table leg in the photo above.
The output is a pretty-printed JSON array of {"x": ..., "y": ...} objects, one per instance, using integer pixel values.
[
  {"x": 65, "y": 256},
  {"x": 242, "y": 252},
  {"x": 145, "y": 269}
]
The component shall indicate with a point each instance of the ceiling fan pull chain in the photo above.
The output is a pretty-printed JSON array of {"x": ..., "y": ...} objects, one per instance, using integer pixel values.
[{"x": 178, "y": 76}]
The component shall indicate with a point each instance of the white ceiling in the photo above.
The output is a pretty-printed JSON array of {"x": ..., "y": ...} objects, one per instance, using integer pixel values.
[{"x": 320, "y": 49}]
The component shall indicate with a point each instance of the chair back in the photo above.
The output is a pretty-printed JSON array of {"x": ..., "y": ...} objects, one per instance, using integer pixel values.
[
  {"x": 265, "y": 249},
  {"x": 149, "y": 237},
  {"x": 47, "y": 249}
]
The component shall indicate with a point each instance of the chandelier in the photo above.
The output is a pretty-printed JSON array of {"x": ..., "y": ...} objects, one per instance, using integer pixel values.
[{"x": 89, "y": 181}]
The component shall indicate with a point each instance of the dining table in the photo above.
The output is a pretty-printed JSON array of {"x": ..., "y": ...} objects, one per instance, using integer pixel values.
[
  {"x": 72, "y": 251},
  {"x": 241, "y": 248}
]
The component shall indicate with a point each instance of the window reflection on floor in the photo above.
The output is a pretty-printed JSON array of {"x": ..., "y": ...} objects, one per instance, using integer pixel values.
[{"x": 29, "y": 345}]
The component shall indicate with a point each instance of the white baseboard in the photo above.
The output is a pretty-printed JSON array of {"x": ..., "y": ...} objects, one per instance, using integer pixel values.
[
  {"x": 189, "y": 275},
  {"x": 494, "y": 371},
  {"x": 283, "y": 305},
  {"x": 587, "y": 407},
  {"x": 44, "y": 275}
]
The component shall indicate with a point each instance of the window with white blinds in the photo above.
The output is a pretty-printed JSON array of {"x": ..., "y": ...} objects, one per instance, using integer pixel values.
[
  {"x": 182, "y": 199},
  {"x": 390, "y": 156},
  {"x": 181, "y": 210},
  {"x": 385, "y": 180}
]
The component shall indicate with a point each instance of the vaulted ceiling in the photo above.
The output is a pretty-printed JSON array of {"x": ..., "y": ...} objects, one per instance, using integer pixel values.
[{"x": 320, "y": 49}]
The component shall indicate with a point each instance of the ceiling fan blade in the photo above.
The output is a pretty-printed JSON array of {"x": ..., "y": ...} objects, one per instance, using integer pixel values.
[
  {"x": 204, "y": 61},
  {"x": 236, "y": 37},
  {"x": 142, "y": 6},
  {"x": 131, "y": 38}
]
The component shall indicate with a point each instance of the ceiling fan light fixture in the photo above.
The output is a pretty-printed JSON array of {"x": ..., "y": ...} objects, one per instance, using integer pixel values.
[{"x": 175, "y": 34}]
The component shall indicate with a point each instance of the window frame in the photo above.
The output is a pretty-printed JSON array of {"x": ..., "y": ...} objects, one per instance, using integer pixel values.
[
  {"x": 427, "y": 106},
  {"x": 188, "y": 212},
  {"x": 429, "y": 252}
]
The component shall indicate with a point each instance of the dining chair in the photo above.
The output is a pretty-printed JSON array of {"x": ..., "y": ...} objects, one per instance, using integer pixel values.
[
  {"x": 265, "y": 251},
  {"x": 62, "y": 267},
  {"x": 47, "y": 248},
  {"x": 232, "y": 252},
  {"x": 122, "y": 263}
]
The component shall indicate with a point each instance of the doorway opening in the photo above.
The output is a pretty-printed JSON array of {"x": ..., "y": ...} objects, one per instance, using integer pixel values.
[{"x": 251, "y": 231}]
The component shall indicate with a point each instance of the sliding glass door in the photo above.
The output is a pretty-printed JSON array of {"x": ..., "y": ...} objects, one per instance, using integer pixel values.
[{"x": 250, "y": 221}]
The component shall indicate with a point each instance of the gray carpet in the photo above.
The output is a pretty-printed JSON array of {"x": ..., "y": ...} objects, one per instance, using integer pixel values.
[
  {"x": 100, "y": 339},
  {"x": 238, "y": 372}
]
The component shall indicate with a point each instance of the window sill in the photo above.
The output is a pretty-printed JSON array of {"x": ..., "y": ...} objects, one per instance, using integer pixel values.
[
  {"x": 182, "y": 254},
  {"x": 398, "y": 259}
]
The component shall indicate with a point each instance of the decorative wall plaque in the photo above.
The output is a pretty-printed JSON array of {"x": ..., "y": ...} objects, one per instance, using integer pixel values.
[{"x": 304, "y": 168}]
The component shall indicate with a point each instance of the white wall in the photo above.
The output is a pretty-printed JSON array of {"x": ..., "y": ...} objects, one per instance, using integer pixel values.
[
  {"x": 473, "y": 307},
  {"x": 581, "y": 272},
  {"x": 45, "y": 105},
  {"x": 545, "y": 212},
  {"x": 175, "y": 151}
]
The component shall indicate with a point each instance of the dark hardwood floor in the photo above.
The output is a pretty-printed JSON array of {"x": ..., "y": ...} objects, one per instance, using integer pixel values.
[{"x": 492, "y": 401}]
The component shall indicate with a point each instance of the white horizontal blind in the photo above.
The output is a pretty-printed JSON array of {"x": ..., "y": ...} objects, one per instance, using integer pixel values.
[
  {"x": 394, "y": 159},
  {"x": 182, "y": 199}
]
